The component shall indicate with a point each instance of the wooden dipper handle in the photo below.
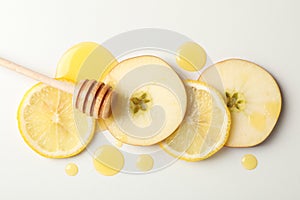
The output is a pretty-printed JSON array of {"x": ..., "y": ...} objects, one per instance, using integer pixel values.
[
  {"x": 90, "y": 97},
  {"x": 65, "y": 86}
]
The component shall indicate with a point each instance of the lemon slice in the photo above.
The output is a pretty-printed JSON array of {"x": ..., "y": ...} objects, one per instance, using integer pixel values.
[
  {"x": 205, "y": 128},
  {"x": 46, "y": 121}
]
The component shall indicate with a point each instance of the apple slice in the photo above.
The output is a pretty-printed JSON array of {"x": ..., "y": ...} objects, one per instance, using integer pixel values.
[
  {"x": 149, "y": 101},
  {"x": 252, "y": 96}
]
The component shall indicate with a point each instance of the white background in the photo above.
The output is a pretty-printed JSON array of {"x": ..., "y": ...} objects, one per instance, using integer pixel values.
[{"x": 36, "y": 33}]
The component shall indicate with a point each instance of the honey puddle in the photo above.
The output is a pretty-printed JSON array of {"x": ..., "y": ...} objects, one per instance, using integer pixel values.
[
  {"x": 249, "y": 161},
  {"x": 144, "y": 162},
  {"x": 108, "y": 160},
  {"x": 191, "y": 56},
  {"x": 71, "y": 169}
]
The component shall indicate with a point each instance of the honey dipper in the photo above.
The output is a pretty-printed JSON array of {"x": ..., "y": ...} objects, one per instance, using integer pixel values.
[{"x": 90, "y": 97}]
